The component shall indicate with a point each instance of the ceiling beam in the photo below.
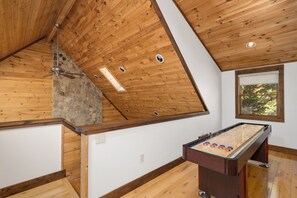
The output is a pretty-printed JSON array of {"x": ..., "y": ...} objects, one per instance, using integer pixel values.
[
  {"x": 62, "y": 15},
  {"x": 13, "y": 53},
  {"x": 114, "y": 106}
]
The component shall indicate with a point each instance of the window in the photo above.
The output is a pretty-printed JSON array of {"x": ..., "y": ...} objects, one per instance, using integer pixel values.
[
  {"x": 260, "y": 93},
  {"x": 115, "y": 83}
]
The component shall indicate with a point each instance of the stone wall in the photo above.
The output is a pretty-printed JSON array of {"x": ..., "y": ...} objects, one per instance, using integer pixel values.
[{"x": 77, "y": 100}]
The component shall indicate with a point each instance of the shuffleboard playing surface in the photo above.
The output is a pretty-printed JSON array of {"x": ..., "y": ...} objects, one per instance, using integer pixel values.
[{"x": 236, "y": 138}]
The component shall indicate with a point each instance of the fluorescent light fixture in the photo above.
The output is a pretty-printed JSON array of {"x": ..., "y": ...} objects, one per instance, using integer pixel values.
[
  {"x": 251, "y": 44},
  {"x": 112, "y": 79}
]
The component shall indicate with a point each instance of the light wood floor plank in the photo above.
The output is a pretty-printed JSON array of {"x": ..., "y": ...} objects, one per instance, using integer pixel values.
[
  {"x": 278, "y": 181},
  {"x": 58, "y": 189}
]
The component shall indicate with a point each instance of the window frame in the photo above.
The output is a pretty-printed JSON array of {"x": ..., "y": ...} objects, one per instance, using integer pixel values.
[{"x": 280, "y": 95}]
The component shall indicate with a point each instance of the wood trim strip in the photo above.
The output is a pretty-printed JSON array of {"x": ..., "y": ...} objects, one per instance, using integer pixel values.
[
  {"x": 260, "y": 66},
  {"x": 174, "y": 1},
  {"x": 114, "y": 106},
  {"x": 260, "y": 69},
  {"x": 84, "y": 166},
  {"x": 62, "y": 15},
  {"x": 13, "y": 53},
  {"x": 32, "y": 123},
  {"x": 142, "y": 180},
  {"x": 98, "y": 128},
  {"x": 175, "y": 46},
  {"x": 29, "y": 123},
  {"x": 282, "y": 149},
  {"x": 70, "y": 126},
  {"x": 107, "y": 127},
  {"x": 17, "y": 188}
]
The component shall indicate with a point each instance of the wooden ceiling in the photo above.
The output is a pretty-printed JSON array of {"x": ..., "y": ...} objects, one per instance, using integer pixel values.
[
  {"x": 225, "y": 26},
  {"x": 129, "y": 33},
  {"x": 23, "y": 22}
]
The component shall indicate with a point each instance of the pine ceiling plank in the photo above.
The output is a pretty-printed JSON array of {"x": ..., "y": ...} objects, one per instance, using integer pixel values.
[
  {"x": 22, "y": 22},
  {"x": 61, "y": 16},
  {"x": 129, "y": 33},
  {"x": 225, "y": 27}
]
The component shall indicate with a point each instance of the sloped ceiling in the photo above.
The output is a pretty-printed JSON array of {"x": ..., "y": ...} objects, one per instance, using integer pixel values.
[
  {"x": 23, "y": 22},
  {"x": 225, "y": 26},
  {"x": 129, "y": 33}
]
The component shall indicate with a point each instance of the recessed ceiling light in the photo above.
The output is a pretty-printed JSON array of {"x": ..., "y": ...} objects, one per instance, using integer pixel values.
[
  {"x": 122, "y": 69},
  {"x": 156, "y": 113},
  {"x": 112, "y": 79},
  {"x": 97, "y": 77},
  {"x": 251, "y": 44},
  {"x": 160, "y": 58}
]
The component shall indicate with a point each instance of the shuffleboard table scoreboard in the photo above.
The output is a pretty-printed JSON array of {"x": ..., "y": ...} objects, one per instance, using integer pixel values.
[{"x": 222, "y": 157}]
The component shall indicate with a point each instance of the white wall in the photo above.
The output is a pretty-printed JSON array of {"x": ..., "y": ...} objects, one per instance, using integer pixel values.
[
  {"x": 28, "y": 153},
  {"x": 117, "y": 161},
  {"x": 283, "y": 134}
]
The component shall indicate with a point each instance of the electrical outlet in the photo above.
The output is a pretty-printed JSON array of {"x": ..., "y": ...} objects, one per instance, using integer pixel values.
[
  {"x": 142, "y": 158},
  {"x": 100, "y": 138}
]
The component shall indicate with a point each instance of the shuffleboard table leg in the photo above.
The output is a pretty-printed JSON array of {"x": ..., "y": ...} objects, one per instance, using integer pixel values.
[
  {"x": 261, "y": 155},
  {"x": 221, "y": 185}
]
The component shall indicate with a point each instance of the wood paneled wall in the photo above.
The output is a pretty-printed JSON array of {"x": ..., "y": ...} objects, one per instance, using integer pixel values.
[
  {"x": 24, "y": 92},
  {"x": 110, "y": 113},
  {"x": 129, "y": 33},
  {"x": 71, "y": 159}
]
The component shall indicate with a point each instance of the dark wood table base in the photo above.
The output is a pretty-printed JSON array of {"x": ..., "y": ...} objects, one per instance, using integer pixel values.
[
  {"x": 227, "y": 186},
  {"x": 221, "y": 185},
  {"x": 225, "y": 177}
]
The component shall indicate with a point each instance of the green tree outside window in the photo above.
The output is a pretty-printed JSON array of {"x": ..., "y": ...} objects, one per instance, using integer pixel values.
[{"x": 260, "y": 99}]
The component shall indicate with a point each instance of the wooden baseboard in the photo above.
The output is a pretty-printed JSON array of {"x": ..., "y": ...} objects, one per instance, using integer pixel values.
[
  {"x": 142, "y": 180},
  {"x": 20, "y": 187},
  {"x": 283, "y": 149}
]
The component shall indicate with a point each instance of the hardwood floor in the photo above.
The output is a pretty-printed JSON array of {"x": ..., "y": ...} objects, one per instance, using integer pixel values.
[
  {"x": 278, "y": 181},
  {"x": 58, "y": 189}
]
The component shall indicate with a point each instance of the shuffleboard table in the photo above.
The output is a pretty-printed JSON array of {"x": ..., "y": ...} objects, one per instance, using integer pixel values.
[{"x": 222, "y": 157}]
